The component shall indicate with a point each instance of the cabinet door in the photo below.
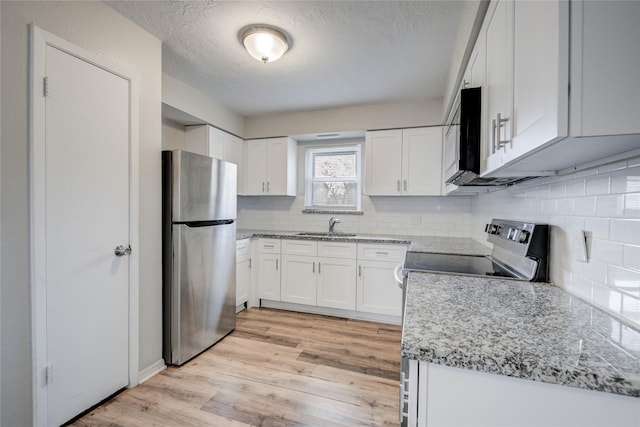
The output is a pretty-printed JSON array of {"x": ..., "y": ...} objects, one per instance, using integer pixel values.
[
  {"x": 605, "y": 93},
  {"x": 383, "y": 154},
  {"x": 234, "y": 153},
  {"x": 540, "y": 94},
  {"x": 498, "y": 93},
  {"x": 279, "y": 168},
  {"x": 269, "y": 276},
  {"x": 422, "y": 161},
  {"x": 256, "y": 167},
  {"x": 337, "y": 283},
  {"x": 299, "y": 279},
  {"x": 377, "y": 289}
]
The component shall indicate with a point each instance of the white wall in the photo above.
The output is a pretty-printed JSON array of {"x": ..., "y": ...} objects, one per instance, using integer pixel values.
[
  {"x": 96, "y": 28},
  {"x": 603, "y": 201},
  {"x": 381, "y": 116},
  {"x": 430, "y": 216},
  {"x": 190, "y": 100},
  {"x": 173, "y": 135}
]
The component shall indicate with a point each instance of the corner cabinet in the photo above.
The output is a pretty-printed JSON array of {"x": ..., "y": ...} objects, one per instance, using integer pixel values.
[
  {"x": 404, "y": 162},
  {"x": 210, "y": 141},
  {"x": 270, "y": 167}
]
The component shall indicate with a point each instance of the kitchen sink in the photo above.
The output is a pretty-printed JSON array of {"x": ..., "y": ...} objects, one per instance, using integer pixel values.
[{"x": 321, "y": 234}]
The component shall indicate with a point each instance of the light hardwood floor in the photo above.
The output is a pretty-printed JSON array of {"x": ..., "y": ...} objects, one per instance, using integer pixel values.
[{"x": 278, "y": 368}]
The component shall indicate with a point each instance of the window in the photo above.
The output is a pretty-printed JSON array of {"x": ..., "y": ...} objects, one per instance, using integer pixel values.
[{"x": 333, "y": 178}]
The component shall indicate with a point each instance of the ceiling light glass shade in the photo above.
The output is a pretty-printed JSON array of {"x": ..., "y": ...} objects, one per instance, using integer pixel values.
[{"x": 265, "y": 44}]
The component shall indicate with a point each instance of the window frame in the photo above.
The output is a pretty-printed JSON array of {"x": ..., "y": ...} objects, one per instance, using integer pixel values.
[{"x": 310, "y": 154}]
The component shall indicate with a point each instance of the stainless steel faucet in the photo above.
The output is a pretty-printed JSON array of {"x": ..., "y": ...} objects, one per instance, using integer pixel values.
[{"x": 332, "y": 223}]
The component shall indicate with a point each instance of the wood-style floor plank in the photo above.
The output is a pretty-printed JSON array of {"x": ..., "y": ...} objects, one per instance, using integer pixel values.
[{"x": 278, "y": 368}]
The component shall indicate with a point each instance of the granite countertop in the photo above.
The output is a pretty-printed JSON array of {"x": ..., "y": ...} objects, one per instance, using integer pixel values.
[
  {"x": 459, "y": 245},
  {"x": 533, "y": 331}
]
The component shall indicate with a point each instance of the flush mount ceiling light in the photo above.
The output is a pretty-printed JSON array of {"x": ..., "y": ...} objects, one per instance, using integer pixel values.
[{"x": 265, "y": 43}]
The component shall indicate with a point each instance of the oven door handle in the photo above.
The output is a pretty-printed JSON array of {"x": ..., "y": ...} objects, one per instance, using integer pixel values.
[{"x": 398, "y": 273}]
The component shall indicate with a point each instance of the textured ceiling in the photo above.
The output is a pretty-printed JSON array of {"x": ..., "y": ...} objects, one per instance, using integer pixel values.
[{"x": 344, "y": 53}]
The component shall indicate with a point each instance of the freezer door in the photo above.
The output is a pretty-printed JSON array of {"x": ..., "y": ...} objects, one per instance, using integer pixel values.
[
  {"x": 203, "y": 188},
  {"x": 203, "y": 290}
]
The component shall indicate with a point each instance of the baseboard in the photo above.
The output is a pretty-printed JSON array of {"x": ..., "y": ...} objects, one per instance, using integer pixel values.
[
  {"x": 152, "y": 370},
  {"x": 350, "y": 314}
]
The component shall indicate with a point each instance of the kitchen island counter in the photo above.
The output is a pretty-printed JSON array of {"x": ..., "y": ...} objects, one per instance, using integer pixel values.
[{"x": 527, "y": 330}]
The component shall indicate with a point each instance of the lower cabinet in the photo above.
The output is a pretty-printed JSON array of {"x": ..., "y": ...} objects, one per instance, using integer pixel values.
[
  {"x": 269, "y": 269},
  {"x": 356, "y": 277},
  {"x": 438, "y": 395},
  {"x": 377, "y": 289},
  {"x": 325, "y": 281},
  {"x": 243, "y": 271}
]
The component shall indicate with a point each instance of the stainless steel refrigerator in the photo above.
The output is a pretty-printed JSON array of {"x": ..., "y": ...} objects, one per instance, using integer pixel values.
[{"x": 199, "y": 253}]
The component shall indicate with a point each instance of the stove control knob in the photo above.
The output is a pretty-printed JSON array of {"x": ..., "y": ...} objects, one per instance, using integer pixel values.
[
  {"x": 524, "y": 237},
  {"x": 492, "y": 229}
]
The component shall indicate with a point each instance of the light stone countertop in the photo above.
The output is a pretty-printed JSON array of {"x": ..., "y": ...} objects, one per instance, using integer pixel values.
[
  {"x": 528, "y": 330},
  {"x": 436, "y": 244}
]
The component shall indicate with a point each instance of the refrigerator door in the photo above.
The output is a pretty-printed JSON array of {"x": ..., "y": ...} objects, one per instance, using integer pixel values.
[
  {"x": 203, "y": 188},
  {"x": 203, "y": 289}
]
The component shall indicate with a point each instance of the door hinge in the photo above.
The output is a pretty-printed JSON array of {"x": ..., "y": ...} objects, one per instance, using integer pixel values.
[
  {"x": 48, "y": 375},
  {"x": 45, "y": 87}
]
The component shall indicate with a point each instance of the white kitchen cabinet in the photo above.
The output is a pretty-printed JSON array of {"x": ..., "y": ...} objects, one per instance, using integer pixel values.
[
  {"x": 210, "y": 141},
  {"x": 243, "y": 271},
  {"x": 376, "y": 288},
  {"x": 325, "y": 281},
  {"x": 269, "y": 265},
  {"x": 540, "y": 94},
  {"x": 538, "y": 50},
  {"x": 455, "y": 396},
  {"x": 271, "y": 167},
  {"x": 404, "y": 162},
  {"x": 498, "y": 103}
]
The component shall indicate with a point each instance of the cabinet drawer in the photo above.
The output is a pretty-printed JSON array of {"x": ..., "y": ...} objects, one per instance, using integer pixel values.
[
  {"x": 299, "y": 247},
  {"x": 381, "y": 252},
  {"x": 337, "y": 250},
  {"x": 269, "y": 246}
]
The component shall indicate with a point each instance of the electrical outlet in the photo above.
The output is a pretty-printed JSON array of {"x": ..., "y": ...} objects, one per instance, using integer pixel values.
[{"x": 583, "y": 245}]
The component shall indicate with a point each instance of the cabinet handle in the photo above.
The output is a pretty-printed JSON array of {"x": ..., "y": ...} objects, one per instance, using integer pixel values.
[
  {"x": 405, "y": 185},
  {"x": 499, "y": 124},
  {"x": 263, "y": 186},
  {"x": 493, "y": 136},
  {"x": 276, "y": 263},
  {"x": 398, "y": 185},
  {"x": 267, "y": 186},
  {"x": 359, "y": 271},
  {"x": 382, "y": 253},
  {"x": 268, "y": 246},
  {"x": 465, "y": 84},
  {"x": 249, "y": 262},
  {"x": 319, "y": 266},
  {"x": 313, "y": 269}
]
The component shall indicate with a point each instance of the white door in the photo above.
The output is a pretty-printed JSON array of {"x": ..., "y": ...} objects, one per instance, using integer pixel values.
[{"x": 87, "y": 215}]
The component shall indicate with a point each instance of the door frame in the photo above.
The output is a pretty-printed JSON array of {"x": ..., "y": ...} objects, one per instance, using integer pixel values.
[{"x": 39, "y": 40}]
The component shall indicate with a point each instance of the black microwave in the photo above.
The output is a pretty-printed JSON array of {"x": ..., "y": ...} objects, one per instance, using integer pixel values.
[{"x": 463, "y": 143}]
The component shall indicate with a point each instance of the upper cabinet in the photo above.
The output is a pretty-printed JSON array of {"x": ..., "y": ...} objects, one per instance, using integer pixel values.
[
  {"x": 213, "y": 142},
  {"x": 533, "y": 124},
  {"x": 404, "y": 162},
  {"x": 271, "y": 167}
]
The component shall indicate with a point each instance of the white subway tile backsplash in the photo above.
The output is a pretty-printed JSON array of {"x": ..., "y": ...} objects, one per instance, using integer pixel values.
[
  {"x": 610, "y": 206},
  {"x": 625, "y": 230},
  {"x": 595, "y": 270},
  {"x": 582, "y": 286},
  {"x": 607, "y": 297},
  {"x": 557, "y": 190},
  {"x": 626, "y": 281},
  {"x": 631, "y": 308},
  {"x": 576, "y": 188},
  {"x": 631, "y": 257},
  {"x": 607, "y": 251},
  {"x": 597, "y": 185},
  {"x": 632, "y": 205},
  {"x": 599, "y": 227}
]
